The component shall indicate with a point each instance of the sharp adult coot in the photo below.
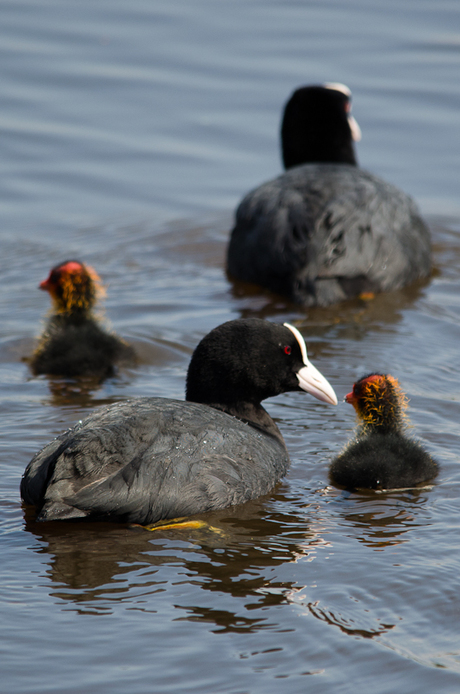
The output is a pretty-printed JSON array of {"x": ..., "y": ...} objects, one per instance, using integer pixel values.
[
  {"x": 326, "y": 230},
  {"x": 74, "y": 343},
  {"x": 381, "y": 456},
  {"x": 152, "y": 458}
]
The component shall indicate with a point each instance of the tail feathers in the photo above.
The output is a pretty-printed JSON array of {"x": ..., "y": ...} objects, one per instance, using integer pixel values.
[{"x": 53, "y": 510}]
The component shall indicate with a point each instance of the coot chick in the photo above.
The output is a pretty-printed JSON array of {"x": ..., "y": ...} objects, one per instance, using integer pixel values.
[
  {"x": 381, "y": 456},
  {"x": 150, "y": 459},
  {"x": 326, "y": 230},
  {"x": 73, "y": 342}
]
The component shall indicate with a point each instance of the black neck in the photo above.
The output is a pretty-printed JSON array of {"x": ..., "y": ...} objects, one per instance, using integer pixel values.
[
  {"x": 255, "y": 415},
  {"x": 296, "y": 154}
]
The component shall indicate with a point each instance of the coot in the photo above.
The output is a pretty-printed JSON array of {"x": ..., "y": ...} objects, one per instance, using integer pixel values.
[
  {"x": 326, "y": 230},
  {"x": 153, "y": 458},
  {"x": 74, "y": 343},
  {"x": 381, "y": 456}
]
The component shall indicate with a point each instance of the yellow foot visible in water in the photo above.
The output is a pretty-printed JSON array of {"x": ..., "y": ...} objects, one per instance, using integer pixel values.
[{"x": 181, "y": 524}]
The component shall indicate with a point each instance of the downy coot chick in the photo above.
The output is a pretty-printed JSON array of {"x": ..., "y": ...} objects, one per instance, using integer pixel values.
[
  {"x": 74, "y": 343},
  {"x": 153, "y": 458},
  {"x": 326, "y": 230},
  {"x": 381, "y": 456}
]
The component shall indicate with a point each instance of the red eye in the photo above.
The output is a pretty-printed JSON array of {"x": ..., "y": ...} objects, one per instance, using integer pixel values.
[{"x": 287, "y": 349}]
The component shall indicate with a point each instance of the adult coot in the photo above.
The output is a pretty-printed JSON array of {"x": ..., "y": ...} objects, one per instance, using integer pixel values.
[
  {"x": 153, "y": 458},
  {"x": 381, "y": 456},
  {"x": 73, "y": 342},
  {"x": 326, "y": 230}
]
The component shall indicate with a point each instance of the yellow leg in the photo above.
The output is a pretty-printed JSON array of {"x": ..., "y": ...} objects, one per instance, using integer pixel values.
[{"x": 181, "y": 524}]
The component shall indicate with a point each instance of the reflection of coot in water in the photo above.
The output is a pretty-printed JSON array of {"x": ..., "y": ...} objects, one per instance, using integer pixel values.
[
  {"x": 326, "y": 230},
  {"x": 100, "y": 562},
  {"x": 74, "y": 343},
  {"x": 153, "y": 458},
  {"x": 381, "y": 456}
]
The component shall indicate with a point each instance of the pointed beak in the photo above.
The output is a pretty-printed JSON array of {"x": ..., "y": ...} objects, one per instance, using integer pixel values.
[
  {"x": 355, "y": 129},
  {"x": 310, "y": 379},
  {"x": 313, "y": 381}
]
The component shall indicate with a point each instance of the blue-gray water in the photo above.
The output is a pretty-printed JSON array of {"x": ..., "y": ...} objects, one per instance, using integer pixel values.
[{"x": 128, "y": 133}]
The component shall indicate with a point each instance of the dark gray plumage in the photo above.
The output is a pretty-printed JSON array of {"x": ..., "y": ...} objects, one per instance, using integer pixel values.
[
  {"x": 383, "y": 461},
  {"x": 152, "y": 458},
  {"x": 73, "y": 347},
  {"x": 324, "y": 232},
  {"x": 74, "y": 343},
  {"x": 381, "y": 455}
]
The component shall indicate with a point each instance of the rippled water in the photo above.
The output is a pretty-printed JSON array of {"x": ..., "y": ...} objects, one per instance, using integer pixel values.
[{"x": 128, "y": 133}]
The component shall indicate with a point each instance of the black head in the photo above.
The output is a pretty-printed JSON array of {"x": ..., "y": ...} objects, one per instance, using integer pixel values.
[
  {"x": 248, "y": 360},
  {"x": 317, "y": 126}
]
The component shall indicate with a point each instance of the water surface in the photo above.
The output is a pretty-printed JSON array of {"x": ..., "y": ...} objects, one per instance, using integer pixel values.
[{"x": 128, "y": 134}]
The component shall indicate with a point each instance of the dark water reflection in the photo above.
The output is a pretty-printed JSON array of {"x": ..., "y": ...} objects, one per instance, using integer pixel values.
[
  {"x": 233, "y": 553},
  {"x": 353, "y": 315},
  {"x": 230, "y": 554},
  {"x": 381, "y": 523}
]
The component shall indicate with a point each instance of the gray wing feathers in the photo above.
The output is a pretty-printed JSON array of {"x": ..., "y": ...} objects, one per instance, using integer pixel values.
[
  {"x": 317, "y": 224},
  {"x": 154, "y": 463}
]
